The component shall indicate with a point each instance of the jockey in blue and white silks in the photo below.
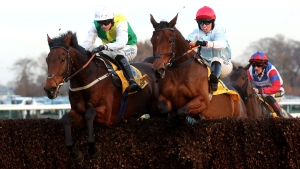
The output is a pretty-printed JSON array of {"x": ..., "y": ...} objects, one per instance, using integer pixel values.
[{"x": 214, "y": 45}]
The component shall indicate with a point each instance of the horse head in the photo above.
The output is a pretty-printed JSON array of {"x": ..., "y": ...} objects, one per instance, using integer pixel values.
[
  {"x": 239, "y": 80},
  {"x": 163, "y": 42},
  {"x": 60, "y": 63}
]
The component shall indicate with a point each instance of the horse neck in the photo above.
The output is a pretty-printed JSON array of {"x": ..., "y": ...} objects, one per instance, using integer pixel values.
[
  {"x": 181, "y": 48},
  {"x": 78, "y": 62}
]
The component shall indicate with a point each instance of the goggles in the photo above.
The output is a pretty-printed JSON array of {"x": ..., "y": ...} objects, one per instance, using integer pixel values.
[
  {"x": 257, "y": 65},
  {"x": 105, "y": 23},
  {"x": 202, "y": 22}
]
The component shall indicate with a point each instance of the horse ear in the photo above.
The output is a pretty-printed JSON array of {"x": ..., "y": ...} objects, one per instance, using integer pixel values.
[
  {"x": 247, "y": 66},
  {"x": 154, "y": 23},
  {"x": 172, "y": 23},
  {"x": 234, "y": 67},
  {"x": 67, "y": 39},
  {"x": 49, "y": 39}
]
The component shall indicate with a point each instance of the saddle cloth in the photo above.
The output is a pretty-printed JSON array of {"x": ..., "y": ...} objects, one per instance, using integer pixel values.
[
  {"x": 222, "y": 89},
  {"x": 140, "y": 79}
]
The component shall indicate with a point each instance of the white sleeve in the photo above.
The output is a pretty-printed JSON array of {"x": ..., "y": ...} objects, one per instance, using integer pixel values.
[
  {"x": 121, "y": 38},
  {"x": 90, "y": 39},
  {"x": 219, "y": 39}
]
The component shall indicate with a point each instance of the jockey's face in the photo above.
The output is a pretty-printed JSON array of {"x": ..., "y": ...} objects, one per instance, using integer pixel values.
[
  {"x": 106, "y": 24},
  {"x": 106, "y": 27},
  {"x": 258, "y": 68},
  {"x": 205, "y": 24}
]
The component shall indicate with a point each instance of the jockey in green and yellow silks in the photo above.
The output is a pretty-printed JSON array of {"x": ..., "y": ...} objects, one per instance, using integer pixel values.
[{"x": 118, "y": 40}]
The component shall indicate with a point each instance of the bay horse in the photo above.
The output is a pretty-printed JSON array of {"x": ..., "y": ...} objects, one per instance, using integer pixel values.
[
  {"x": 255, "y": 105},
  {"x": 92, "y": 103},
  {"x": 182, "y": 77}
]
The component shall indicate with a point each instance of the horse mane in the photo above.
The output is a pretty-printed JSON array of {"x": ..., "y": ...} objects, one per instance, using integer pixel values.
[{"x": 59, "y": 41}]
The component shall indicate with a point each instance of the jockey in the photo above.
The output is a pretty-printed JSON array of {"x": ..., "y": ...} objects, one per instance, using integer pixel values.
[
  {"x": 118, "y": 41},
  {"x": 267, "y": 80},
  {"x": 215, "y": 48}
]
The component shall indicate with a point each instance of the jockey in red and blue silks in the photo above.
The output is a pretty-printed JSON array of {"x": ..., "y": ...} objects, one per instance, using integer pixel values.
[{"x": 266, "y": 80}]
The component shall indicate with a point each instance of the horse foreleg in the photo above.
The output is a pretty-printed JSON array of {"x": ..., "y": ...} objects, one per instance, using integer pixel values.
[
  {"x": 76, "y": 155},
  {"x": 164, "y": 105},
  {"x": 93, "y": 150},
  {"x": 195, "y": 106}
]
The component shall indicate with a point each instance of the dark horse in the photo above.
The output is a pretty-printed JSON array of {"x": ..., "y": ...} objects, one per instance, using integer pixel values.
[
  {"x": 99, "y": 103},
  {"x": 256, "y": 107},
  {"x": 183, "y": 78}
]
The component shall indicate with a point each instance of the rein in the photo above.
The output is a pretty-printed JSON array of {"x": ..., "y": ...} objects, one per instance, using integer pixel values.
[
  {"x": 244, "y": 86},
  {"x": 65, "y": 78},
  {"x": 172, "y": 53}
]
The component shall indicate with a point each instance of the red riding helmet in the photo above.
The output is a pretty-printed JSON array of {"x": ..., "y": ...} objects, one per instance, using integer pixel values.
[
  {"x": 205, "y": 12},
  {"x": 259, "y": 57}
]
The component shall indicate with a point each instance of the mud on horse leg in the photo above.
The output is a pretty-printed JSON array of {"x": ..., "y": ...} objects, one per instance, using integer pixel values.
[
  {"x": 76, "y": 155},
  {"x": 93, "y": 150}
]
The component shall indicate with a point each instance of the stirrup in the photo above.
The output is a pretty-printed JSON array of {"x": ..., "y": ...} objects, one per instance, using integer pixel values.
[
  {"x": 214, "y": 87},
  {"x": 133, "y": 86},
  {"x": 213, "y": 80}
]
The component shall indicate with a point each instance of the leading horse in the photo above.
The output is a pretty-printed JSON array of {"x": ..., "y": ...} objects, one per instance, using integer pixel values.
[
  {"x": 96, "y": 98},
  {"x": 183, "y": 78}
]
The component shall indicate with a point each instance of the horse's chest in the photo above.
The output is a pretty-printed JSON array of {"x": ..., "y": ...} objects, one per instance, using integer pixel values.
[{"x": 177, "y": 89}]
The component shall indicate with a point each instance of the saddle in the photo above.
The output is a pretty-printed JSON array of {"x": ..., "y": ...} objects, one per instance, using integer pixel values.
[
  {"x": 223, "y": 89},
  {"x": 118, "y": 75}
]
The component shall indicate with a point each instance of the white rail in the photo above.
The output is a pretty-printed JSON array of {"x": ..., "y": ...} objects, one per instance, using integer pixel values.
[
  {"x": 34, "y": 107},
  {"x": 288, "y": 104},
  {"x": 33, "y": 110}
]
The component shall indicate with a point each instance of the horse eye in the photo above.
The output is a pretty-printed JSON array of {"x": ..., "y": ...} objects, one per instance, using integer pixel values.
[{"x": 64, "y": 59}]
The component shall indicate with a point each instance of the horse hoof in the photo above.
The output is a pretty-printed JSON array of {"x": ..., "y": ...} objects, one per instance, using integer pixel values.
[
  {"x": 181, "y": 112},
  {"x": 163, "y": 108},
  {"x": 79, "y": 158},
  {"x": 96, "y": 155}
]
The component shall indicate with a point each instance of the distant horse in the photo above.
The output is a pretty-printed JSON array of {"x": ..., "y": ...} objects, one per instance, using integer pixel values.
[
  {"x": 183, "y": 78},
  {"x": 240, "y": 81},
  {"x": 256, "y": 107},
  {"x": 93, "y": 95}
]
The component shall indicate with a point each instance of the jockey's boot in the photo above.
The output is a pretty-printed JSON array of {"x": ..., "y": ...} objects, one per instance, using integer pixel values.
[
  {"x": 215, "y": 74},
  {"x": 274, "y": 104},
  {"x": 125, "y": 66}
]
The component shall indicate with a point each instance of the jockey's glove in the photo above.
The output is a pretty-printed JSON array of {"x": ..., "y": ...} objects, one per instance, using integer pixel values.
[
  {"x": 99, "y": 49},
  {"x": 201, "y": 43}
]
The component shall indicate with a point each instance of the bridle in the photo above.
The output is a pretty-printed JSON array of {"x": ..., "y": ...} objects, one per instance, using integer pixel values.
[
  {"x": 172, "y": 53},
  {"x": 65, "y": 74},
  {"x": 244, "y": 88}
]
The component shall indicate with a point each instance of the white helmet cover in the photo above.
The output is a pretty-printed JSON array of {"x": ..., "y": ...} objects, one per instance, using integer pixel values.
[{"x": 103, "y": 13}]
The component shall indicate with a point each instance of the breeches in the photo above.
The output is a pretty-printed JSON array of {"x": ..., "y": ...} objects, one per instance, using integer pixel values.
[
  {"x": 129, "y": 52},
  {"x": 278, "y": 96},
  {"x": 226, "y": 66}
]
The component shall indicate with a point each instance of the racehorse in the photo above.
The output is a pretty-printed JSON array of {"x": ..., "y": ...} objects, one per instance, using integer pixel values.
[
  {"x": 255, "y": 105},
  {"x": 93, "y": 96},
  {"x": 240, "y": 81},
  {"x": 183, "y": 78}
]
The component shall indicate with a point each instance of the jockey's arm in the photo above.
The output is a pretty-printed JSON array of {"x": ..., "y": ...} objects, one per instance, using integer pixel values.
[
  {"x": 121, "y": 38},
  {"x": 91, "y": 38}
]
